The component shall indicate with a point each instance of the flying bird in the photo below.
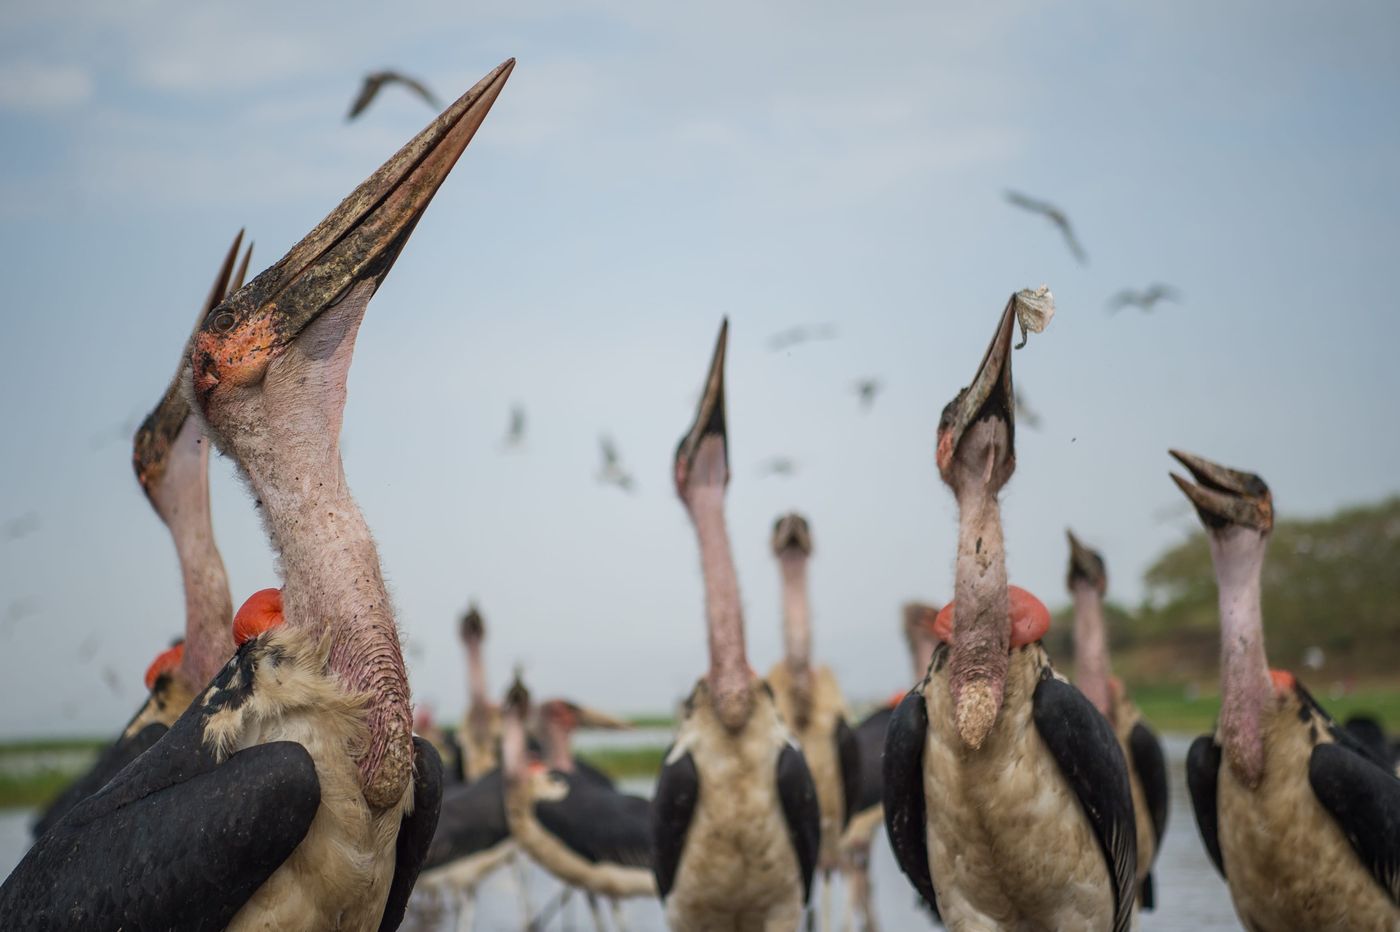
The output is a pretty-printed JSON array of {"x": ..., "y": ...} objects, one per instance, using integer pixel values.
[
  {"x": 793, "y": 336},
  {"x": 515, "y": 433},
  {"x": 1146, "y": 299},
  {"x": 611, "y": 472},
  {"x": 866, "y": 390},
  {"x": 778, "y": 466},
  {"x": 1055, "y": 215},
  {"x": 1025, "y": 413},
  {"x": 377, "y": 79}
]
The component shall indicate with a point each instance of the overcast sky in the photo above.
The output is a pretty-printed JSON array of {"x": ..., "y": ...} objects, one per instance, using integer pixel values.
[{"x": 648, "y": 169}]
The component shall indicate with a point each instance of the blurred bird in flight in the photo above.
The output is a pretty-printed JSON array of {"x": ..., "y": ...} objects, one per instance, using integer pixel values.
[
  {"x": 611, "y": 472},
  {"x": 778, "y": 466},
  {"x": 866, "y": 390},
  {"x": 1055, "y": 216},
  {"x": 1146, "y": 299},
  {"x": 515, "y": 433},
  {"x": 794, "y": 336},
  {"x": 377, "y": 79}
]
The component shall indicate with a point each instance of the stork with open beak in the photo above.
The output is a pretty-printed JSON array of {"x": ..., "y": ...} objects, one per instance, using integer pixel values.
[
  {"x": 1006, "y": 794},
  {"x": 810, "y": 701},
  {"x": 736, "y": 821},
  {"x": 1093, "y": 674},
  {"x": 1299, "y": 818},
  {"x": 917, "y": 625},
  {"x": 291, "y": 794},
  {"x": 588, "y": 835},
  {"x": 171, "y": 458},
  {"x": 479, "y": 737}
]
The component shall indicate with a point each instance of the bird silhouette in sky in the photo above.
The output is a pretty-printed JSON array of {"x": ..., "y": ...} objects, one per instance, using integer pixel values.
[
  {"x": 1055, "y": 215},
  {"x": 866, "y": 390},
  {"x": 515, "y": 432},
  {"x": 778, "y": 466},
  {"x": 804, "y": 333},
  {"x": 612, "y": 471},
  {"x": 376, "y": 80},
  {"x": 1146, "y": 299}
]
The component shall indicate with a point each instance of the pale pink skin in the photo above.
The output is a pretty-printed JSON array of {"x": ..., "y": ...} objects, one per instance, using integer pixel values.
[
  {"x": 558, "y": 742},
  {"x": 921, "y": 648},
  {"x": 1091, "y": 666},
  {"x": 181, "y": 498},
  {"x": 285, "y": 434},
  {"x": 1246, "y": 687},
  {"x": 979, "y": 654},
  {"x": 515, "y": 761},
  {"x": 478, "y": 697},
  {"x": 702, "y": 493},
  {"x": 797, "y": 618}
]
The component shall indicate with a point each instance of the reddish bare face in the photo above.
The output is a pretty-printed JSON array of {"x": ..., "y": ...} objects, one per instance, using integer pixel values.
[
  {"x": 1030, "y": 619},
  {"x": 262, "y": 612},
  {"x": 166, "y": 661}
]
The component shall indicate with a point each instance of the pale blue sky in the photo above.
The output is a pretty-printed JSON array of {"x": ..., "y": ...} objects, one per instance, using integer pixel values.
[{"x": 649, "y": 168}]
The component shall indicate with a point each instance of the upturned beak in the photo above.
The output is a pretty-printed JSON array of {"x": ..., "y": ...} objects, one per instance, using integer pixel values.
[
  {"x": 1085, "y": 564},
  {"x": 592, "y": 718},
  {"x": 709, "y": 417},
  {"x": 792, "y": 533},
  {"x": 358, "y": 242},
  {"x": 157, "y": 433},
  {"x": 1225, "y": 496},
  {"x": 989, "y": 395}
]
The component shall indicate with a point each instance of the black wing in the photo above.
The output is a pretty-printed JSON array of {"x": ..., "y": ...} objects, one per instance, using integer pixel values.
[
  {"x": 1150, "y": 764},
  {"x": 584, "y": 769},
  {"x": 903, "y": 778},
  {"x": 870, "y": 734},
  {"x": 472, "y": 820},
  {"x": 801, "y": 811},
  {"x": 1087, "y": 752},
  {"x": 598, "y": 823},
  {"x": 117, "y": 755},
  {"x": 1202, "y": 779},
  {"x": 848, "y": 751},
  {"x": 415, "y": 831},
  {"x": 673, "y": 805},
  {"x": 1364, "y": 800}
]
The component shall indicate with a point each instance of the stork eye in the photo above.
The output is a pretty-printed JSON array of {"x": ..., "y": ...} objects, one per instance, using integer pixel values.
[{"x": 224, "y": 321}]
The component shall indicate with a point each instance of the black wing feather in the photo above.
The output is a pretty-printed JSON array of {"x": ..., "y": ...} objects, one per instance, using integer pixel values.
[
  {"x": 1364, "y": 800},
  {"x": 472, "y": 820},
  {"x": 108, "y": 764},
  {"x": 848, "y": 752},
  {"x": 415, "y": 831},
  {"x": 801, "y": 811},
  {"x": 906, "y": 818},
  {"x": 1202, "y": 779},
  {"x": 1150, "y": 765},
  {"x": 870, "y": 734},
  {"x": 598, "y": 823},
  {"x": 672, "y": 807},
  {"x": 1091, "y": 761}
]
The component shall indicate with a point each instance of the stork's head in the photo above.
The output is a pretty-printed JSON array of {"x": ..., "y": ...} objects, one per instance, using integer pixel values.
[
  {"x": 702, "y": 456},
  {"x": 570, "y": 716},
  {"x": 473, "y": 627},
  {"x": 1226, "y": 498},
  {"x": 514, "y": 713},
  {"x": 262, "y": 612},
  {"x": 792, "y": 536},
  {"x": 1086, "y": 566},
  {"x": 165, "y": 664},
  {"x": 977, "y": 431},
  {"x": 308, "y": 305}
]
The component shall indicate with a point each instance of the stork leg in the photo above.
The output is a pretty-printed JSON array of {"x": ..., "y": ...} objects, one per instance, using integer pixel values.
[
  {"x": 826, "y": 901},
  {"x": 618, "y": 921},
  {"x": 597, "y": 916},
  {"x": 466, "y": 909},
  {"x": 522, "y": 882},
  {"x": 551, "y": 907}
]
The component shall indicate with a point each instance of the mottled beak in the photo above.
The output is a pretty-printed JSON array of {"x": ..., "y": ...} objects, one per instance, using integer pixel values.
[
  {"x": 156, "y": 435},
  {"x": 791, "y": 533},
  {"x": 1224, "y": 496},
  {"x": 989, "y": 395},
  {"x": 1085, "y": 565},
  {"x": 709, "y": 423},
  {"x": 584, "y": 717},
  {"x": 357, "y": 243}
]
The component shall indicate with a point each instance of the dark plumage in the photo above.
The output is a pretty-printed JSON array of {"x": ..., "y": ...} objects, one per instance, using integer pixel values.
[
  {"x": 598, "y": 823},
  {"x": 376, "y": 80},
  {"x": 1055, "y": 215},
  {"x": 1146, "y": 299},
  {"x": 108, "y": 764}
]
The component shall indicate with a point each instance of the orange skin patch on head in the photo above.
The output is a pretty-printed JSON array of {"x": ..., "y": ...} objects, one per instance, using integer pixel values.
[
  {"x": 1030, "y": 619},
  {"x": 1284, "y": 682},
  {"x": 262, "y": 612},
  {"x": 165, "y": 662},
  {"x": 235, "y": 358},
  {"x": 896, "y": 699}
]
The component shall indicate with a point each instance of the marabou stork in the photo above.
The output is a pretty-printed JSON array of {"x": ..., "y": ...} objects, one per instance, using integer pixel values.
[
  {"x": 735, "y": 817},
  {"x": 291, "y": 794},
  {"x": 809, "y": 700},
  {"x": 1296, "y": 815},
  {"x": 556, "y": 723},
  {"x": 1147, "y": 764},
  {"x": 479, "y": 737},
  {"x": 171, "y": 459},
  {"x": 587, "y": 835},
  {"x": 471, "y": 842},
  {"x": 917, "y": 623},
  {"x": 1006, "y": 794}
]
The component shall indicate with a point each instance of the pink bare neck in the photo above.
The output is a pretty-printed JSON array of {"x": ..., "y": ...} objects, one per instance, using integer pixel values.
[
  {"x": 478, "y": 691},
  {"x": 979, "y": 656},
  {"x": 797, "y": 625},
  {"x": 289, "y": 447},
  {"x": 1091, "y": 666},
  {"x": 181, "y": 498},
  {"x": 1246, "y": 687},
  {"x": 559, "y": 749}
]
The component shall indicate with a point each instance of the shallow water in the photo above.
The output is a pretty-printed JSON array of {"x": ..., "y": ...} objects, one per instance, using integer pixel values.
[{"x": 1191, "y": 896}]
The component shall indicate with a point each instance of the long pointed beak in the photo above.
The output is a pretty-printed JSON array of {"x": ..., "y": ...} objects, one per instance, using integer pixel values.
[
  {"x": 592, "y": 718},
  {"x": 709, "y": 416},
  {"x": 358, "y": 242},
  {"x": 1086, "y": 564},
  {"x": 1225, "y": 496},
  {"x": 157, "y": 433},
  {"x": 990, "y": 393}
]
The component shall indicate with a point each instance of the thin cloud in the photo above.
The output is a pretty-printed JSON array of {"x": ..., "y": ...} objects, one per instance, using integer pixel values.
[{"x": 38, "y": 87}]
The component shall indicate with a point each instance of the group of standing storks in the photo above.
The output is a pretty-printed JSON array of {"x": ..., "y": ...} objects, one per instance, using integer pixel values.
[{"x": 284, "y": 788}]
